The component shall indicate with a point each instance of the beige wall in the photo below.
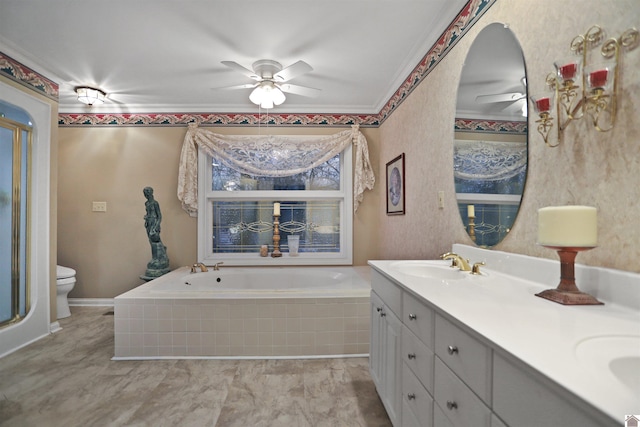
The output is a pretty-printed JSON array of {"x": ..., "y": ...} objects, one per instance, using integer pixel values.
[
  {"x": 110, "y": 250},
  {"x": 591, "y": 168}
]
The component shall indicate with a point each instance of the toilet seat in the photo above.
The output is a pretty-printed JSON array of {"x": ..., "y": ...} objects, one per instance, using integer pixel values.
[{"x": 64, "y": 272}]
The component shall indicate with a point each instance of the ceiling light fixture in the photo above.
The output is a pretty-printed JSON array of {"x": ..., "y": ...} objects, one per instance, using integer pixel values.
[
  {"x": 90, "y": 96},
  {"x": 267, "y": 94}
]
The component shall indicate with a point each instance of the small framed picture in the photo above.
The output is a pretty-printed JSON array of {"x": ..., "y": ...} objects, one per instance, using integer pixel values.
[{"x": 395, "y": 186}]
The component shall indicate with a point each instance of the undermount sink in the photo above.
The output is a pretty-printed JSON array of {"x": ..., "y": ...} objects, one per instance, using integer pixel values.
[
  {"x": 618, "y": 356},
  {"x": 429, "y": 269}
]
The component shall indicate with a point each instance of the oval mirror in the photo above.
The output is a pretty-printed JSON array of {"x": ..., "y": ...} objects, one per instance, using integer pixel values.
[{"x": 490, "y": 146}]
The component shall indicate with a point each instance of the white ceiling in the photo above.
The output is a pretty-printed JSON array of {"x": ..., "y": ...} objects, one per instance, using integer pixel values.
[{"x": 165, "y": 55}]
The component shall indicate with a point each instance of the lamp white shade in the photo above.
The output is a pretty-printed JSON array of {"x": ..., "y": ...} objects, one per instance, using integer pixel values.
[{"x": 568, "y": 226}]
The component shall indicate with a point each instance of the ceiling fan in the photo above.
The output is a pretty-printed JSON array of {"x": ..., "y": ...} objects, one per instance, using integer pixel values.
[
  {"x": 511, "y": 99},
  {"x": 271, "y": 81}
]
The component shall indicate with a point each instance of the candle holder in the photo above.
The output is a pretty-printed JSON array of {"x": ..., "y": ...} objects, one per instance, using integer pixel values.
[
  {"x": 472, "y": 228},
  {"x": 584, "y": 89},
  {"x": 276, "y": 237},
  {"x": 567, "y": 292}
]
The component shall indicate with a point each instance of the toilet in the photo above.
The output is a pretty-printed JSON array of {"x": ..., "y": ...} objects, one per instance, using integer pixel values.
[{"x": 65, "y": 281}]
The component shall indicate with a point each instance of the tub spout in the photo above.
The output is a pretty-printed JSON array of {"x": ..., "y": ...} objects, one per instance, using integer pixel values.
[
  {"x": 199, "y": 265},
  {"x": 217, "y": 265}
]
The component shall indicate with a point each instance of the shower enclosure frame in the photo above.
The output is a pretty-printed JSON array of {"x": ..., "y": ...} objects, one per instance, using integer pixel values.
[
  {"x": 22, "y": 135},
  {"x": 41, "y": 267}
]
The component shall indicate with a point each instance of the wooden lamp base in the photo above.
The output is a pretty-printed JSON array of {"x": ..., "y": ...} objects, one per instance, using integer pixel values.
[{"x": 567, "y": 293}]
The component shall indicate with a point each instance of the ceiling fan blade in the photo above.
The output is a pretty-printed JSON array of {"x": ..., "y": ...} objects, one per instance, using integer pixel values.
[
  {"x": 514, "y": 106},
  {"x": 245, "y": 86},
  {"x": 299, "y": 90},
  {"x": 294, "y": 70},
  {"x": 500, "y": 97},
  {"x": 239, "y": 68}
]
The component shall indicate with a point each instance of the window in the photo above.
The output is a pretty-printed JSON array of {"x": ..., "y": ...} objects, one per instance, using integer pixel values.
[{"x": 237, "y": 213}]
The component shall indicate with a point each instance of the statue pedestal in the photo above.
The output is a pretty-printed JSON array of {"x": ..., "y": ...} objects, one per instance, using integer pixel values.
[{"x": 151, "y": 274}]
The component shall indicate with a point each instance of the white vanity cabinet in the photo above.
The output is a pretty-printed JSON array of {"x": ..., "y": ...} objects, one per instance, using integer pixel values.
[
  {"x": 385, "y": 362},
  {"x": 417, "y": 356},
  {"x": 438, "y": 360},
  {"x": 523, "y": 400}
]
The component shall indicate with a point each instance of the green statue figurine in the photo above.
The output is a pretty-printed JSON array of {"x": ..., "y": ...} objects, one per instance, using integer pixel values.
[{"x": 159, "y": 263}]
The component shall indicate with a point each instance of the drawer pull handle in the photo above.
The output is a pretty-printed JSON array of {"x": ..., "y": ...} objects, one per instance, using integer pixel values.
[
  {"x": 411, "y": 355},
  {"x": 412, "y": 317},
  {"x": 378, "y": 309},
  {"x": 382, "y": 314},
  {"x": 411, "y": 396},
  {"x": 451, "y": 405},
  {"x": 452, "y": 349}
]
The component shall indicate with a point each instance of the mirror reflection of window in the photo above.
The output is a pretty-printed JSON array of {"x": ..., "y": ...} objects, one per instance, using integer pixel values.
[{"x": 490, "y": 147}]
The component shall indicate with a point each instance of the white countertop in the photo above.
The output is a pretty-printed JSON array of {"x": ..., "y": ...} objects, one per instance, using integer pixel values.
[{"x": 551, "y": 338}]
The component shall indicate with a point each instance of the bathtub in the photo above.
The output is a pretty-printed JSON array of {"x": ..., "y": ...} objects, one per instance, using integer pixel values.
[{"x": 246, "y": 312}]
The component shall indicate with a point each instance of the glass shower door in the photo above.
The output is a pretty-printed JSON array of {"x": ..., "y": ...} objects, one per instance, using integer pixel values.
[{"x": 14, "y": 168}]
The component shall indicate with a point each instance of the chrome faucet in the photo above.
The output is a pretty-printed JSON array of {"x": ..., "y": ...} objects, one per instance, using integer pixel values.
[
  {"x": 457, "y": 261},
  {"x": 217, "y": 265},
  {"x": 199, "y": 265}
]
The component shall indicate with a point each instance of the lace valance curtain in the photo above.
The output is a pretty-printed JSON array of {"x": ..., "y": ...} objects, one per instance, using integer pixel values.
[
  {"x": 488, "y": 160},
  {"x": 269, "y": 155}
]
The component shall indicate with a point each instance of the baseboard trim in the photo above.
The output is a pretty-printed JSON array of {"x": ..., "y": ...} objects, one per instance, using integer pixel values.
[
  {"x": 91, "y": 302},
  {"x": 55, "y": 327}
]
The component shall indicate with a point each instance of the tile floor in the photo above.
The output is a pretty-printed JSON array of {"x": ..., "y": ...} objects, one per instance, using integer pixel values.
[{"x": 68, "y": 379}]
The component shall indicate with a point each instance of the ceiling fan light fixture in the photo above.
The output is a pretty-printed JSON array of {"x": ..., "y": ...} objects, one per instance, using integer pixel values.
[
  {"x": 90, "y": 96},
  {"x": 266, "y": 95}
]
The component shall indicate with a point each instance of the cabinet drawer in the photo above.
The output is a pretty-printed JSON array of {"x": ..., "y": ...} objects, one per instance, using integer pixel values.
[
  {"x": 521, "y": 400},
  {"x": 460, "y": 405},
  {"x": 418, "y": 317},
  {"x": 416, "y": 398},
  {"x": 496, "y": 422},
  {"x": 439, "y": 418},
  {"x": 466, "y": 356},
  {"x": 409, "y": 419},
  {"x": 418, "y": 357},
  {"x": 388, "y": 291}
]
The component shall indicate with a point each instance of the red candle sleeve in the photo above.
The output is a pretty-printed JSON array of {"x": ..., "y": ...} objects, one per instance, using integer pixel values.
[
  {"x": 598, "y": 78},
  {"x": 543, "y": 104},
  {"x": 568, "y": 71}
]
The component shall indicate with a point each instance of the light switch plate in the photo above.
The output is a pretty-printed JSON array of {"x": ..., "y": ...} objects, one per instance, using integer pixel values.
[
  {"x": 99, "y": 207},
  {"x": 441, "y": 199}
]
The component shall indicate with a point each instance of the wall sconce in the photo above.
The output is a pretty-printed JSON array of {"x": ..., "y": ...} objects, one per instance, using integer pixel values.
[
  {"x": 580, "y": 88},
  {"x": 90, "y": 96}
]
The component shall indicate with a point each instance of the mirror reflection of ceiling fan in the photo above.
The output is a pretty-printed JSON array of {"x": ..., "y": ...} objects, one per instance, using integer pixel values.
[
  {"x": 271, "y": 81},
  {"x": 514, "y": 101}
]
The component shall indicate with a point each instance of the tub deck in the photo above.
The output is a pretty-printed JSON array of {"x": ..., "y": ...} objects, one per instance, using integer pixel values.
[{"x": 154, "y": 324}]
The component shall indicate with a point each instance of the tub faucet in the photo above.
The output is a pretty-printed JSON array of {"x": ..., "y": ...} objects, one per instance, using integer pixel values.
[
  {"x": 217, "y": 265},
  {"x": 199, "y": 265},
  {"x": 457, "y": 261}
]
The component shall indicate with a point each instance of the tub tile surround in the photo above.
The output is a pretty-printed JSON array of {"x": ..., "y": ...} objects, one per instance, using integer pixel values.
[
  {"x": 546, "y": 339},
  {"x": 149, "y": 326}
]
